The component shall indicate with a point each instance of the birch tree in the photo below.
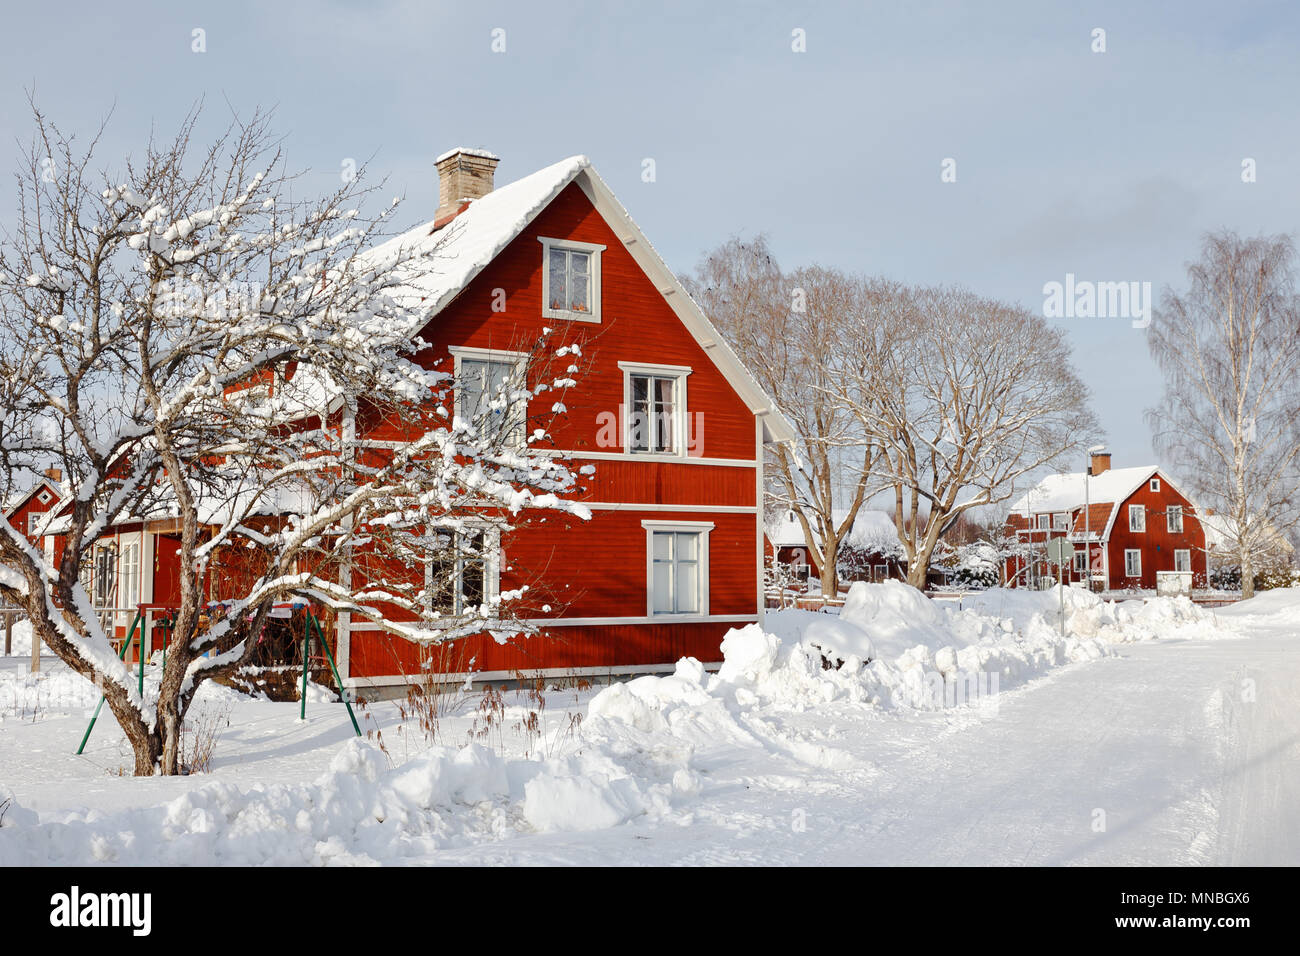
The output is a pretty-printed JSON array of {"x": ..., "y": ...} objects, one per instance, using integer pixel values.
[
  {"x": 1229, "y": 348},
  {"x": 187, "y": 340}
]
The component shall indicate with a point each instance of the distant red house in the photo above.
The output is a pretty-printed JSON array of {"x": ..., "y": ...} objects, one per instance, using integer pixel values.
[
  {"x": 869, "y": 552},
  {"x": 28, "y": 510},
  {"x": 672, "y": 557},
  {"x": 1131, "y": 526}
]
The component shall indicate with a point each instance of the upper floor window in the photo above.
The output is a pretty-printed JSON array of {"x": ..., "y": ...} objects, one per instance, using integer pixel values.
[
  {"x": 1137, "y": 518},
  {"x": 1155, "y": 484},
  {"x": 1174, "y": 519},
  {"x": 1044, "y": 521},
  {"x": 571, "y": 280},
  {"x": 490, "y": 395},
  {"x": 655, "y": 403},
  {"x": 1061, "y": 522}
]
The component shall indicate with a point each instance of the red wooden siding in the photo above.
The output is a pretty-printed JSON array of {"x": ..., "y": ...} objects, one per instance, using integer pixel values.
[{"x": 1156, "y": 543}]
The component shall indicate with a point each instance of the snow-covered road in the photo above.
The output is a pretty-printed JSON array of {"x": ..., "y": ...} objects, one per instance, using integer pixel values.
[
  {"x": 1174, "y": 739},
  {"x": 1175, "y": 753}
]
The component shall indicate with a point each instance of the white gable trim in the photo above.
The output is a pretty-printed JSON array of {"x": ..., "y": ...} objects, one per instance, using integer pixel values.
[{"x": 776, "y": 426}]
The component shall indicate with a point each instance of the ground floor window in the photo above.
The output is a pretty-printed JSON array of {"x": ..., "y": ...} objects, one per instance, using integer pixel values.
[
  {"x": 460, "y": 573},
  {"x": 677, "y": 567},
  {"x": 1132, "y": 563},
  {"x": 1182, "y": 560}
]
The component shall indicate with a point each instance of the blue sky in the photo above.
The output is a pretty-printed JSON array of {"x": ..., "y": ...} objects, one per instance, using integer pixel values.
[{"x": 1106, "y": 165}]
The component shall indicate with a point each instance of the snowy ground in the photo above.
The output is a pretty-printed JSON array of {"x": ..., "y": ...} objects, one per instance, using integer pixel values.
[{"x": 1152, "y": 733}]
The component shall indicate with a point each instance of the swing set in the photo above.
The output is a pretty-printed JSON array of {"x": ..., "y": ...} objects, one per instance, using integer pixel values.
[{"x": 144, "y": 649}]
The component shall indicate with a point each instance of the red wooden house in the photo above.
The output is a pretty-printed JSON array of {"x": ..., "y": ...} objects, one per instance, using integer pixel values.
[
  {"x": 672, "y": 556},
  {"x": 28, "y": 511},
  {"x": 1131, "y": 526}
]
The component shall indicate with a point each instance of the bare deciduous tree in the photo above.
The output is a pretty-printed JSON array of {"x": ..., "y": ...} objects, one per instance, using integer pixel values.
[
  {"x": 965, "y": 395},
  {"x": 783, "y": 326},
  {"x": 188, "y": 342},
  {"x": 1229, "y": 348}
]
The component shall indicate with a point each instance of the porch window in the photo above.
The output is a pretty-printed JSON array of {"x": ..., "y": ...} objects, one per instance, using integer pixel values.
[{"x": 129, "y": 588}]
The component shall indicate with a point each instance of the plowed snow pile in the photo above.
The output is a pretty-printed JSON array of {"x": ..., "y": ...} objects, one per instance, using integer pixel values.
[{"x": 642, "y": 749}]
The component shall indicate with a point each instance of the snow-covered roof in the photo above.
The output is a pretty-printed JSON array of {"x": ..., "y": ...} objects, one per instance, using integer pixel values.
[
  {"x": 1066, "y": 492},
  {"x": 18, "y": 498},
  {"x": 871, "y": 531},
  {"x": 457, "y": 252},
  {"x": 446, "y": 259}
]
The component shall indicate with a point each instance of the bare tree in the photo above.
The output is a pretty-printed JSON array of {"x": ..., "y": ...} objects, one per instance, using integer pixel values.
[
  {"x": 786, "y": 327},
  {"x": 189, "y": 342},
  {"x": 965, "y": 395},
  {"x": 1229, "y": 348}
]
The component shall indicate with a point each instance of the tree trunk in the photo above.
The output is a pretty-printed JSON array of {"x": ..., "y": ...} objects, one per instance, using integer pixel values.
[{"x": 1247, "y": 577}]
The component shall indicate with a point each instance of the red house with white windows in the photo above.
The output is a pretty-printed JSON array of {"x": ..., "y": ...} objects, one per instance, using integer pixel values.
[
  {"x": 1131, "y": 526},
  {"x": 29, "y": 510},
  {"x": 672, "y": 555}
]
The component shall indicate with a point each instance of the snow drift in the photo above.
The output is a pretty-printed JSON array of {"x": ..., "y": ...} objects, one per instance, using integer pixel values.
[{"x": 644, "y": 749}]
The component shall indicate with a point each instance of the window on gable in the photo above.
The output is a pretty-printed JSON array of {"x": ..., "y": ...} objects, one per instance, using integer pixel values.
[
  {"x": 491, "y": 396},
  {"x": 43, "y": 497},
  {"x": 1155, "y": 484},
  {"x": 656, "y": 412},
  {"x": 677, "y": 567},
  {"x": 1137, "y": 517},
  {"x": 1174, "y": 519},
  {"x": 1132, "y": 563},
  {"x": 571, "y": 280}
]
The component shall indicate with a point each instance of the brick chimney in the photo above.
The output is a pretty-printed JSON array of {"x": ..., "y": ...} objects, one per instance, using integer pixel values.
[
  {"x": 463, "y": 175},
  {"x": 54, "y": 474},
  {"x": 1100, "y": 463}
]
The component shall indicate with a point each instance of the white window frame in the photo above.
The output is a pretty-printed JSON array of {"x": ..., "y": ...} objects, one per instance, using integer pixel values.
[
  {"x": 129, "y": 574},
  {"x": 520, "y": 361},
  {"x": 1136, "y": 555},
  {"x": 1154, "y": 484},
  {"x": 681, "y": 416},
  {"x": 1044, "y": 523},
  {"x": 703, "y": 529},
  {"x": 1061, "y": 521},
  {"x": 570, "y": 245},
  {"x": 43, "y": 497},
  {"x": 1171, "y": 512},
  {"x": 1187, "y": 552},
  {"x": 491, "y": 563},
  {"x": 1137, "y": 518},
  {"x": 1081, "y": 561}
]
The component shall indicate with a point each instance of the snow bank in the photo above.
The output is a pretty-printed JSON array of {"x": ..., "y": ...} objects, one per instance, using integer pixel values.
[
  {"x": 645, "y": 748},
  {"x": 892, "y": 646},
  {"x": 358, "y": 813}
]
